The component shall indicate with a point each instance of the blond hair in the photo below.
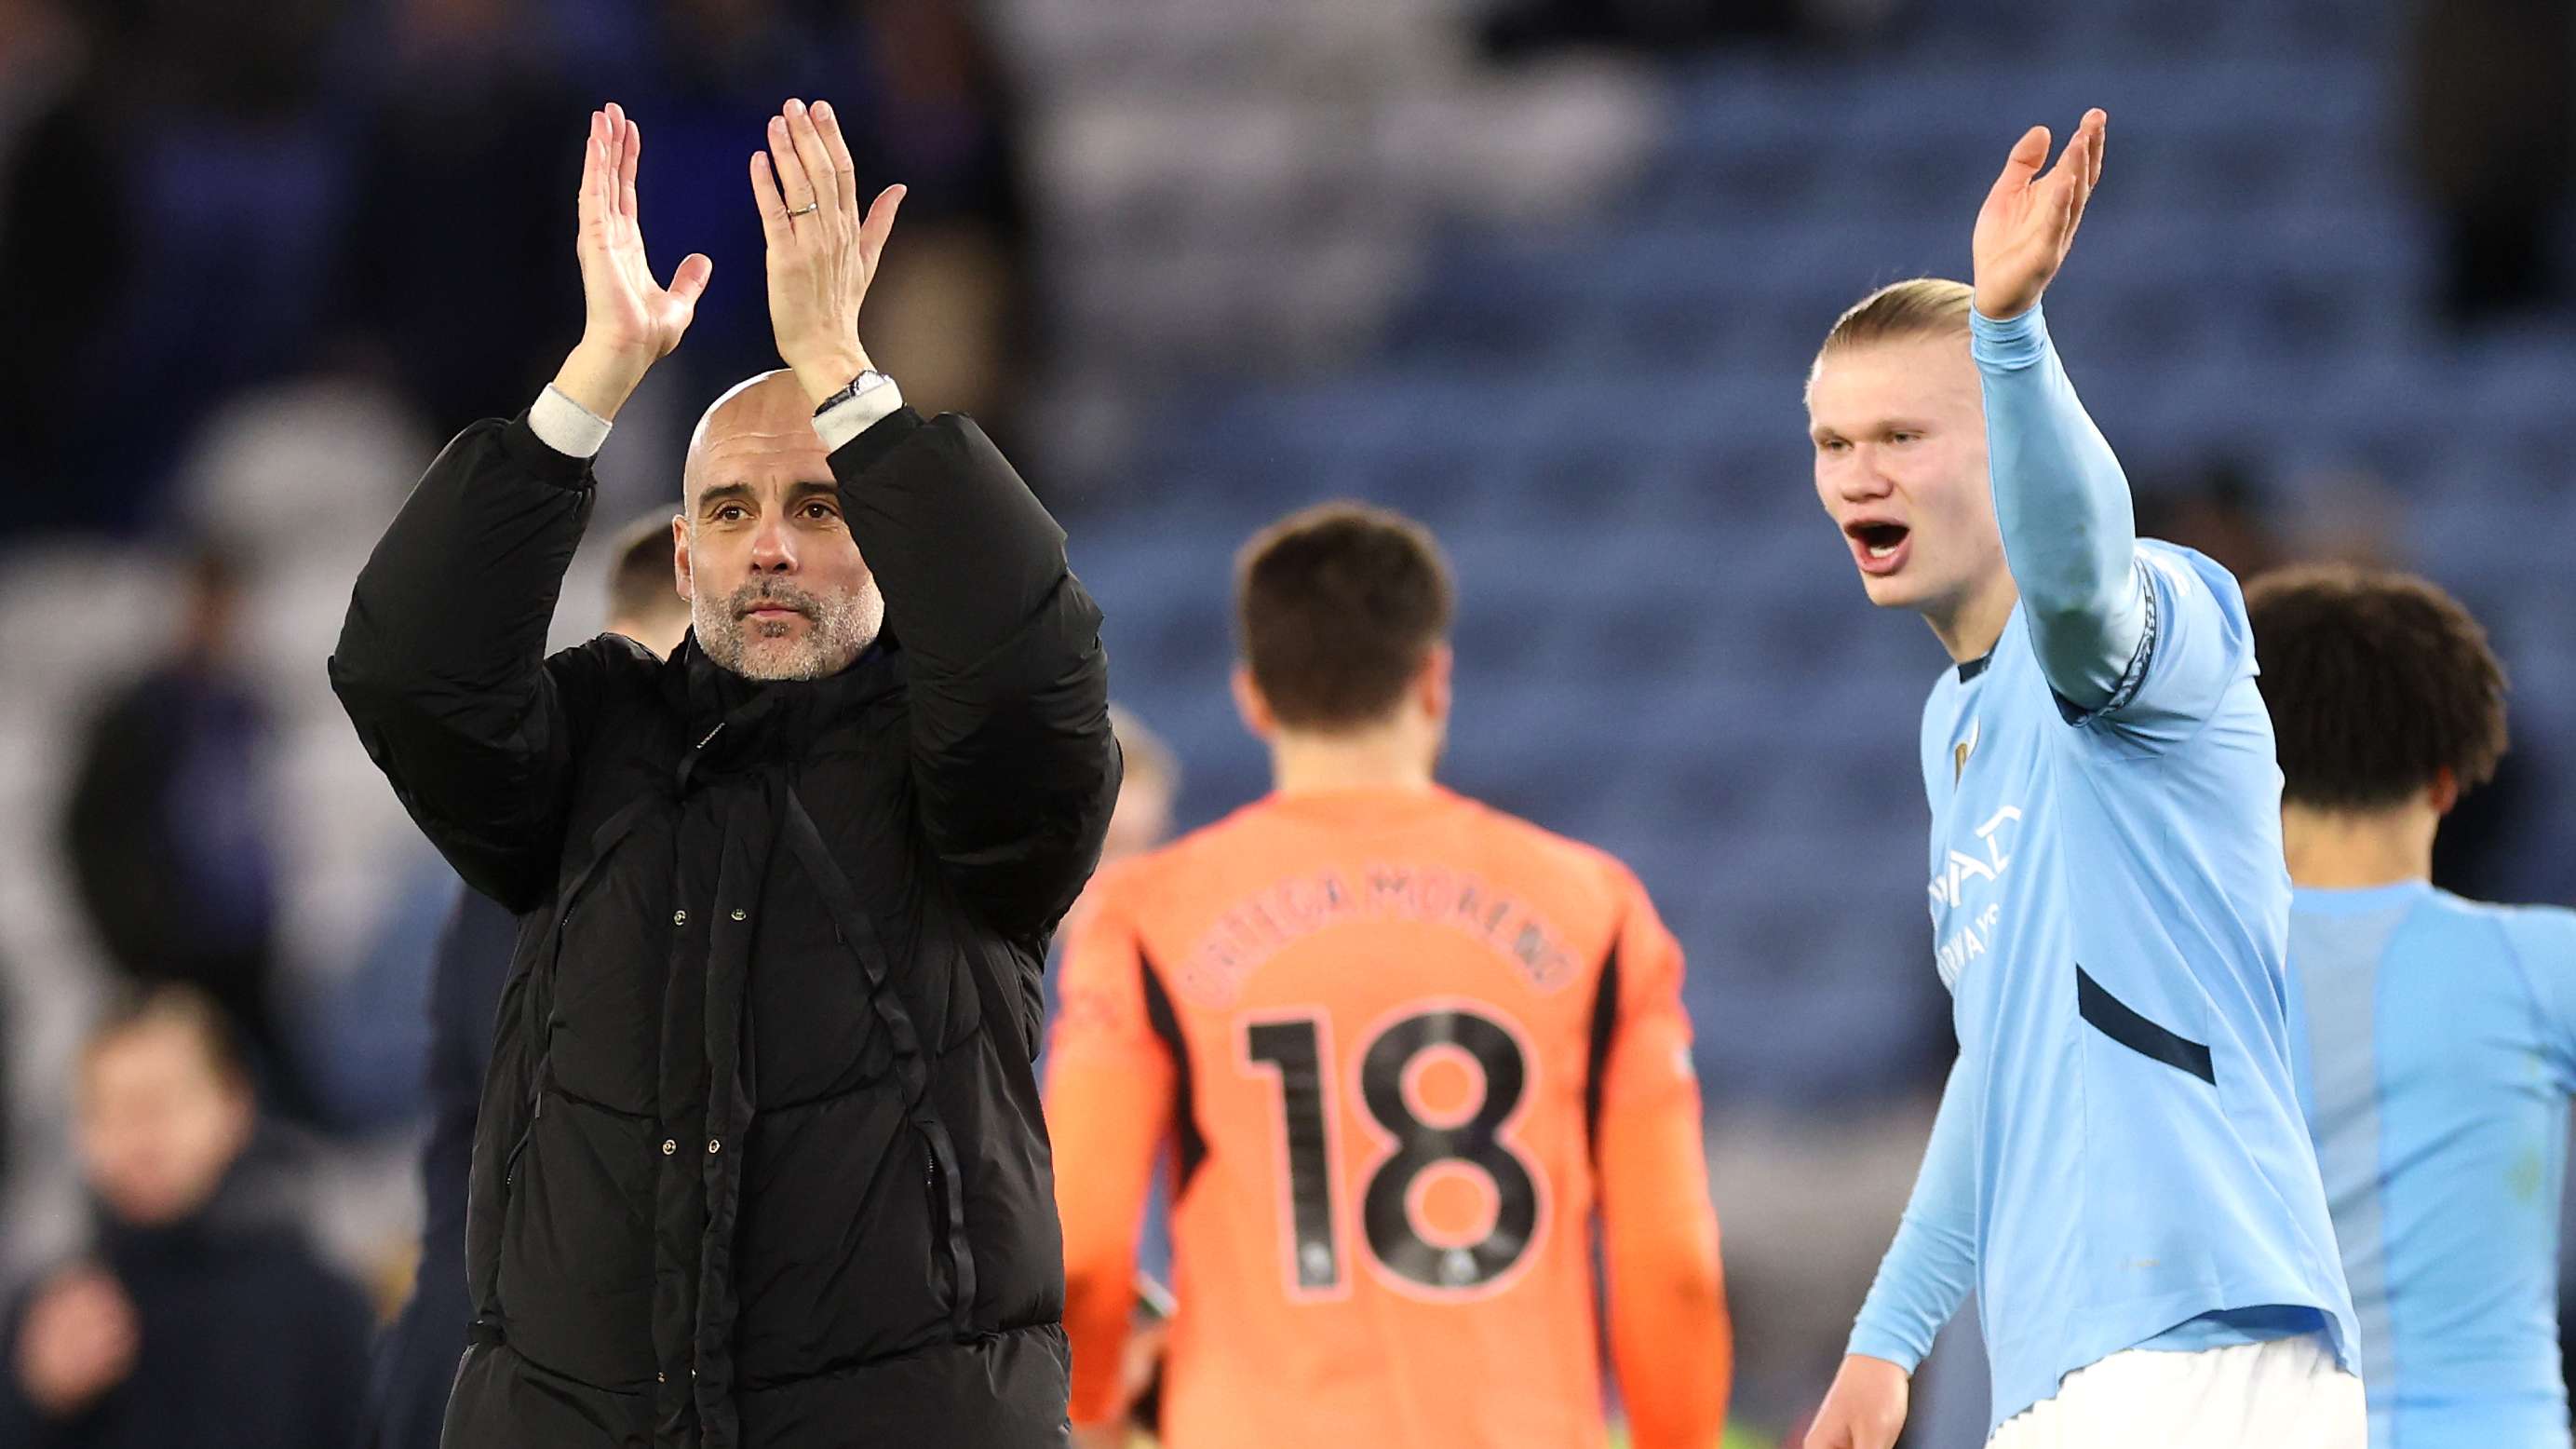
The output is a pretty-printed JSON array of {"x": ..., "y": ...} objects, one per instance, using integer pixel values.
[{"x": 1899, "y": 312}]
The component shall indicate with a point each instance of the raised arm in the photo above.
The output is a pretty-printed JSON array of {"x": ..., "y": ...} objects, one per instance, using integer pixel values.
[
  {"x": 2060, "y": 498},
  {"x": 1924, "y": 1277},
  {"x": 441, "y": 661},
  {"x": 1014, "y": 761}
]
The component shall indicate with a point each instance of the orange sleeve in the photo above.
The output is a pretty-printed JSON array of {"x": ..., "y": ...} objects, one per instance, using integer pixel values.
[
  {"x": 1108, "y": 1106},
  {"x": 1670, "y": 1341}
]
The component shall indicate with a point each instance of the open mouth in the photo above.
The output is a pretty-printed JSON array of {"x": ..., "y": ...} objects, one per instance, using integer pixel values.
[
  {"x": 1878, "y": 546},
  {"x": 1880, "y": 539}
]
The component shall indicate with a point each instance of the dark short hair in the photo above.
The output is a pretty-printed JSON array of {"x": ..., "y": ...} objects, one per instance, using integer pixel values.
[
  {"x": 2377, "y": 682},
  {"x": 138, "y": 1008},
  {"x": 640, "y": 582},
  {"x": 1336, "y": 608}
]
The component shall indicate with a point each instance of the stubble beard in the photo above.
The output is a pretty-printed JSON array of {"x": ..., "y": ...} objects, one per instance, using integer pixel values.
[{"x": 838, "y": 628}]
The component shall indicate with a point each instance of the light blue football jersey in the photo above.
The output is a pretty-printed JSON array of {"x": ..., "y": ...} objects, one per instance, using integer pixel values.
[
  {"x": 2436, "y": 1048},
  {"x": 2110, "y": 913}
]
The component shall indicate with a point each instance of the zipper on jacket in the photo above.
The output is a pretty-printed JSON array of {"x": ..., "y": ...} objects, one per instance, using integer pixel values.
[
  {"x": 510, "y": 1166},
  {"x": 934, "y": 1200},
  {"x": 544, "y": 1046}
]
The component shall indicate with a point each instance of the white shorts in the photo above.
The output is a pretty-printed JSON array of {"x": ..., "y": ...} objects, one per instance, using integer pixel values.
[{"x": 2288, "y": 1393}]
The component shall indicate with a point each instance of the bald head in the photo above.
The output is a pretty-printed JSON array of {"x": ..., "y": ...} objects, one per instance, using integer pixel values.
[
  {"x": 762, "y": 420},
  {"x": 776, "y": 586}
]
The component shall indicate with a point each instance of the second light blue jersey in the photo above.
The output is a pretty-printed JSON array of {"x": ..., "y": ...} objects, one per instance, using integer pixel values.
[
  {"x": 2436, "y": 1044},
  {"x": 2120, "y": 1160}
]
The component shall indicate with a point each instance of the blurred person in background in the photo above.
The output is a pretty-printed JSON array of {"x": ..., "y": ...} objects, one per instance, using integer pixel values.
[
  {"x": 936, "y": 108},
  {"x": 2119, "y": 1167},
  {"x": 62, "y": 218},
  {"x": 167, "y": 831},
  {"x": 471, "y": 106},
  {"x": 416, "y": 1362},
  {"x": 2217, "y": 508},
  {"x": 2436, "y": 1035},
  {"x": 785, "y": 897},
  {"x": 182, "y": 258},
  {"x": 1400, "y": 1052},
  {"x": 2493, "y": 87},
  {"x": 926, "y": 98},
  {"x": 202, "y": 1317},
  {"x": 1147, "y": 796}
]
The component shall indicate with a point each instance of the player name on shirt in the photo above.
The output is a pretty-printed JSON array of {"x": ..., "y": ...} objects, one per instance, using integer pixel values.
[{"x": 1247, "y": 934}]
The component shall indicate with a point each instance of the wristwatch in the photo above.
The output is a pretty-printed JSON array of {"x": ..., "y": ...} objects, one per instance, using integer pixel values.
[{"x": 864, "y": 382}]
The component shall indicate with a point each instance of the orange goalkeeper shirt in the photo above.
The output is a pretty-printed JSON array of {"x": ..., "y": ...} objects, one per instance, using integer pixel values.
[{"x": 1400, "y": 1053}]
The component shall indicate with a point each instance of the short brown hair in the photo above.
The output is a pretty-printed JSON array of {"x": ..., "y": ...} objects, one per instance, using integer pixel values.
[
  {"x": 1336, "y": 608},
  {"x": 641, "y": 584},
  {"x": 173, "y": 1004},
  {"x": 2377, "y": 682}
]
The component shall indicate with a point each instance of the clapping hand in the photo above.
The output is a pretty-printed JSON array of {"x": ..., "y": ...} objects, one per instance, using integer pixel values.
[
  {"x": 823, "y": 252},
  {"x": 631, "y": 321}
]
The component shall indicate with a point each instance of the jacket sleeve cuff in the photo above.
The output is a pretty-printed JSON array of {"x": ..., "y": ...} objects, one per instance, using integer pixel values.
[
  {"x": 2010, "y": 344},
  {"x": 542, "y": 460},
  {"x": 1872, "y": 1340},
  {"x": 853, "y": 415},
  {"x": 566, "y": 426}
]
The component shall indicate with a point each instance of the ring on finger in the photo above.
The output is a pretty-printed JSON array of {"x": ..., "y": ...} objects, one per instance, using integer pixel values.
[{"x": 808, "y": 209}]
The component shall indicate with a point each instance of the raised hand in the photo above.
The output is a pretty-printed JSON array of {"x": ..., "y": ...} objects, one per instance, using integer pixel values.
[
  {"x": 631, "y": 322},
  {"x": 822, "y": 252},
  {"x": 2029, "y": 220}
]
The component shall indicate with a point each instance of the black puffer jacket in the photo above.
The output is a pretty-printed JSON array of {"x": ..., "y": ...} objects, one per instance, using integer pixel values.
[{"x": 759, "y": 1159}]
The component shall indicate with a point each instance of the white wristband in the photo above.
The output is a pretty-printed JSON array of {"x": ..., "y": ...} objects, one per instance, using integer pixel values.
[
  {"x": 838, "y": 424},
  {"x": 566, "y": 426}
]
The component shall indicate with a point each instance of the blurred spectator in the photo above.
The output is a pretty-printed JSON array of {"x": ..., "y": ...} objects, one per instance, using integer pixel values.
[
  {"x": 201, "y": 1319},
  {"x": 2218, "y": 509},
  {"x": 934, "y": 111},
  {"x": 203, "y": 119},
  {"x": 924, "y": 101},
  {"x": 2493, "y": 86},
  {"x": 723, "y": 67},
  {"x": 167, "y": 831},
  {"x": 416, "y": 1362},
  {"x": 62, "y": 219},
  {"x": 1143, "y": 818},
  {"x": 644, "y": 602},
  {"x": 476, "y": 106}
]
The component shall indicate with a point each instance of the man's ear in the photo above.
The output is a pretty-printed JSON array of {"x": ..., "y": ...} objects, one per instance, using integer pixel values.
[
  {"x": 2444, "y": 793},
  {"x": 1249, "y": 703},
  {"x": 1432, "y": 685},
  {"x": 680, "y": 555}
]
